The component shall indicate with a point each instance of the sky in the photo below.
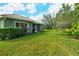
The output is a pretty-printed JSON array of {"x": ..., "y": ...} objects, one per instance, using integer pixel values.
[{"x": 33, "y": 11}]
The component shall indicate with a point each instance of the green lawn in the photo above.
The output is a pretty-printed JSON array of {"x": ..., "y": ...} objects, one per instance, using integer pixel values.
[{"x": 47, "y": 43}]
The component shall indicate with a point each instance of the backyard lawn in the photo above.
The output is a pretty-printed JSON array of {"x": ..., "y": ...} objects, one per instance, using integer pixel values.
[{"x": 47, "y": 43}]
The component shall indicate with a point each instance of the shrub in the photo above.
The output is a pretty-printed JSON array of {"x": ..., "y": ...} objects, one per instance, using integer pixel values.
[
  {"x": 75, "y": 29},
  {"x": 10, "y": 33}
]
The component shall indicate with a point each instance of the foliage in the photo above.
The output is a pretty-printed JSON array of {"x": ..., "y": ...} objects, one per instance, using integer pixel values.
[
  {"x": 75, "y": 29},
  {"x": 48, "y": 20},
  {"x": 77, "y": 9},
  {"x": 75, "y": 25},
  {"x": 65, "y": 17},
  {"x": 10, "y": 33}
]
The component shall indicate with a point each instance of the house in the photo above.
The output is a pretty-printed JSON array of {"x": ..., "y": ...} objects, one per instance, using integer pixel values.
[
  {"x": 37, "y": 27},
  {"x": 17, "y": 21}
]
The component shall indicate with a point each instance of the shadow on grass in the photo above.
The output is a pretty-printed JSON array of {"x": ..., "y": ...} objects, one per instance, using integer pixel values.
[{"x": 28, "y": 36}]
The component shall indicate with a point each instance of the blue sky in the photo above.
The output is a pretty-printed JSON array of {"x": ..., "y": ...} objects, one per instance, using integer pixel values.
[
  {"x": 31, "y": 10},
  {"x": 39, "y": 9}
]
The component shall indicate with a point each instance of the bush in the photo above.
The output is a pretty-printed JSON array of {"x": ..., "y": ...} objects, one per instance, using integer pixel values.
[
  {"x": 10, "y": 33},
  {"x": 75, "y": 29}
]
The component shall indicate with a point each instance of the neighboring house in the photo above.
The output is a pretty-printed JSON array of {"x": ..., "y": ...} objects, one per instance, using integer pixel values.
[{"x": 17, "y": 21}]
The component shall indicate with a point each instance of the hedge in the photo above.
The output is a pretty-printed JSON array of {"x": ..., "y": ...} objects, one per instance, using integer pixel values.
[{"x": 10, "y": 33}]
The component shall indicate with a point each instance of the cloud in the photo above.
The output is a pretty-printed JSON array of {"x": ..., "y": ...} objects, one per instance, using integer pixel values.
[
  {"x": 10, "y": 8},
  {"x": 31, "y": 8},
  {"x": 44, "y": 3},
  {"x": 72, "y": 6},
  {"x": 31, "y": 11},
  {"x": 38, "y": 17},
  {"x": 54, "y": 8},
  {"x": 17, "y": 6},
  {"x": 6, "y": 10}
]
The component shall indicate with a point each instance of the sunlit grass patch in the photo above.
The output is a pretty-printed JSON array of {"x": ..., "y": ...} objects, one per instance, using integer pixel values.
[{"x": 47, "y": 43}]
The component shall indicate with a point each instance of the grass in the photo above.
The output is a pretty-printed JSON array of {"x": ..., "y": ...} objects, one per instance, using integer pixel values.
[{"x": 47, "y": 43}]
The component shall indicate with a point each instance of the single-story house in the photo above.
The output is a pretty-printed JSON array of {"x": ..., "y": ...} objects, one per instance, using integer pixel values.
[{"x": 17, "y": 21}]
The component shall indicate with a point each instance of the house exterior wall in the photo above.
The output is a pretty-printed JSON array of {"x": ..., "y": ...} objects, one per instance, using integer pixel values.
[
  {"x": 41, "y": 27},
  {"x": 1, "y": 23},
  {"x": 30, "y": 27},
  {"x": 18, "y": 22},
  {"x": 37, "y": 27},
  {"x": 9, "y": 23}
]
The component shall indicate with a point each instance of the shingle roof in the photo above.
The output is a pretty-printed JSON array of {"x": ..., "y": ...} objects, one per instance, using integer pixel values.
[
  {"x": 19, "y": 17},
  {"x": 15, "y": 16}
]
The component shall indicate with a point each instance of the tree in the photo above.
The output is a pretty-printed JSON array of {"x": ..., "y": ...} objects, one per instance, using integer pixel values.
[
  {"x": 75, "y": 27},
  {"x": 48, "y": 20},
  {"x": 77, "y": 10},
  {"x": 65, "y": 17}
]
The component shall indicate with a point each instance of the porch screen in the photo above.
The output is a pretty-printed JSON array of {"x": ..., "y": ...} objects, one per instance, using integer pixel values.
[{"x": 17, "y": 24}]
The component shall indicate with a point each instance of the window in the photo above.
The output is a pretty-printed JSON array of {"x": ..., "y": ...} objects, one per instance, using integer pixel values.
[
  {"x": 17, "y": 24},
  {"x": 25, "y": 25},
  {"x": 22, "y": 24}
]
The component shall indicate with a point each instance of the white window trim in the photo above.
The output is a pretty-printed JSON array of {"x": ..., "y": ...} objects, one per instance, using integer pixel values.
[{"x": 20, "y": 22}]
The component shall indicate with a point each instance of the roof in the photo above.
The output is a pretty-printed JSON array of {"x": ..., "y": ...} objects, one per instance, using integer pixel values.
[
  {"x": 38, "y": 22},
  {"x": 19, "y": 17},
  {"x": 15, "y": 16}
]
